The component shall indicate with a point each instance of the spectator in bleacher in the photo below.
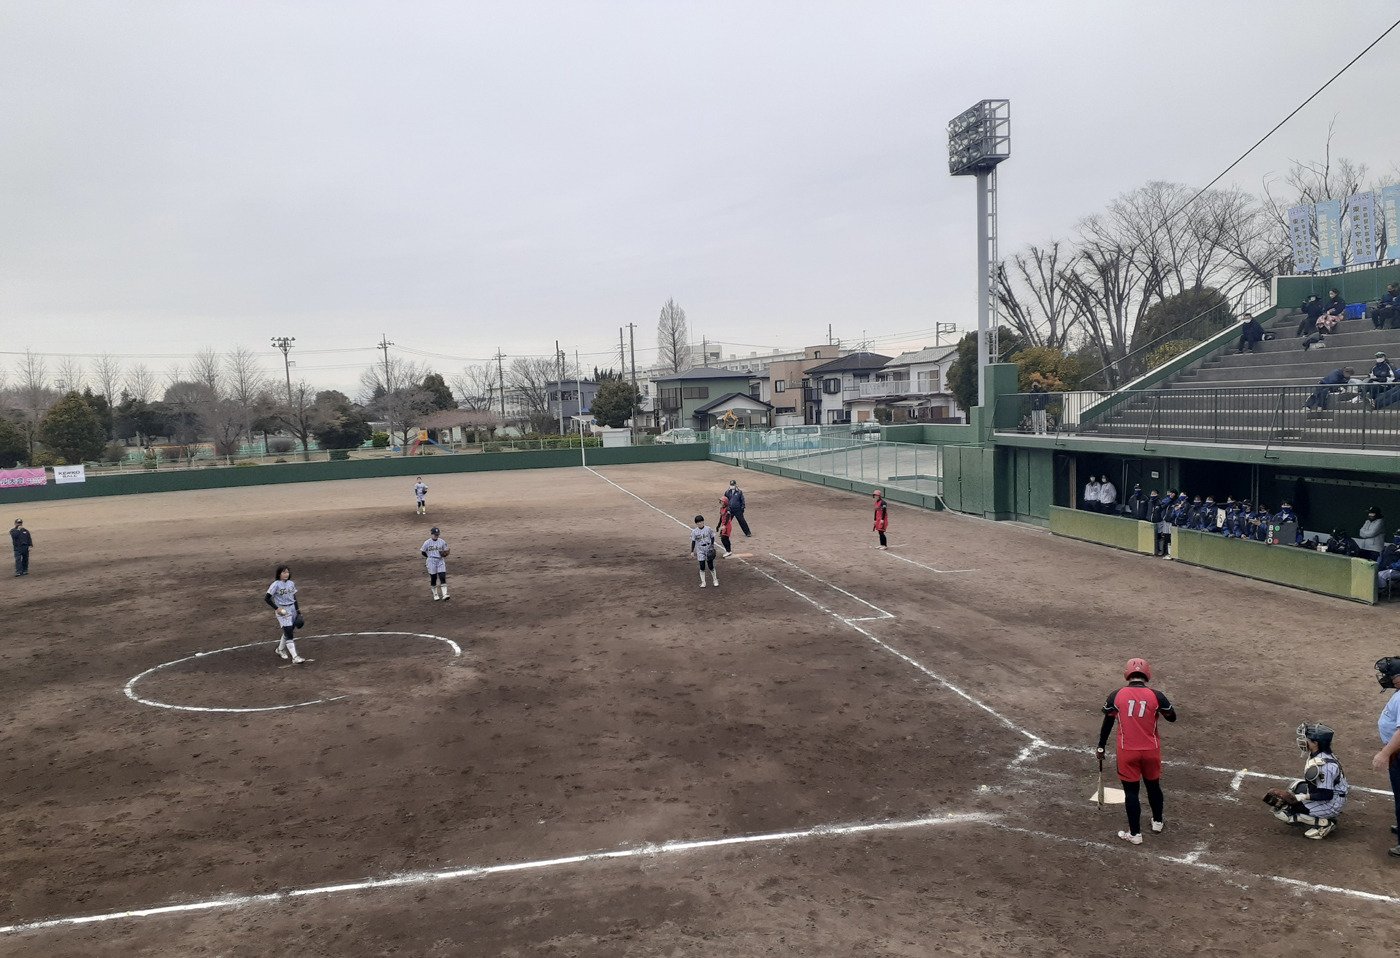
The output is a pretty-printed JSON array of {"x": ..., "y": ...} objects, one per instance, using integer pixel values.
[
  {"x": 1312, "y": 308},
  {"x": 1091, "y": 495},
  {"x": 1388, "y": 312},
  {"x": 1326, "y": 386},
  {"x": 1108, "y": 498},
  {"x": 1039, "y": 400},
  {"x": 1371, "y": 538},
  {"x": 1250, "y": 333},
  {"x": 1335, "y": 309},
  {"x": 1381, "y": 374},
  {"x": 1137, "y": 503}
]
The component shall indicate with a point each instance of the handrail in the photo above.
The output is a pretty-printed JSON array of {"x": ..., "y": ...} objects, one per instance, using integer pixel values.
[
  {"x": 1276, "y": 418},
  {"x": 1262, "y": 297},
  {"x": 1156, "y": 416}
]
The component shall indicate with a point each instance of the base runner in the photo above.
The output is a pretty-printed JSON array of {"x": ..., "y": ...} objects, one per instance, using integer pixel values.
[{"x": 1137, "y": 709}]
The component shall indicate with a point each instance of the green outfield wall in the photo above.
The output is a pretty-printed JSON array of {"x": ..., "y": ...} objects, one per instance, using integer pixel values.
[
  {"x": 1333, "y": 575},
  {"x": 175, "y": 479}
]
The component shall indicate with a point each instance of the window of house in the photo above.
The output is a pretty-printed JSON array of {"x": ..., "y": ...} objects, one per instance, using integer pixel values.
[
  {"x": 862, "y": 377},
  {"x": 754, "y": 390},
  {"x": 695, "y": 392},
  {"x": 831, "y": 386},
  {"x": 779, "y": 385},
  {"x": 816, "y": 354},
  {"x": 670, "y": 398}
]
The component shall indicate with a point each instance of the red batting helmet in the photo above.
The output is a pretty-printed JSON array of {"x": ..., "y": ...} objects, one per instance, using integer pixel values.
[{"x": 1137, "y": 667}]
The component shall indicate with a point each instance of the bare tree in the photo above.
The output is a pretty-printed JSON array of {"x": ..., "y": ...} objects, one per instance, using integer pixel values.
[
  {"x": 476, "y": 386},
  {"x": 33, "y": 394},
  {"x": 140, "y": 383},
  {"x": 1308, "y": 182},
  {"x": 187, "y": 402},
  {"x": 528, "y": 380},
  {"x": 207, "y": 369},
  {"x": 244, "y": 381},
  {"x": 107, "y": 372},
  {"x": 1110, "y": 285},
  {"x": 69, "y": 377},
  {"x": 673, "y": 338},
  {"x": 1050, "y": 317},
  {"x": 394, "y": 391},
  {"x": 300, "y": 416}
]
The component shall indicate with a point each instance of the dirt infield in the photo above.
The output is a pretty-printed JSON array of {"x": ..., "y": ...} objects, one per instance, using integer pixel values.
[{"x": 840, "y": 751}]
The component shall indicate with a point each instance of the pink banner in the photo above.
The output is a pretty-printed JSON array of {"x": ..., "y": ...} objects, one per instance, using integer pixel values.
[{"x": 9, "y": 478}]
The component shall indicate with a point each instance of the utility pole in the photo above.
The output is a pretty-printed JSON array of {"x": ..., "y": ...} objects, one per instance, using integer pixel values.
[
  {"x": 632, "y": 338},
  {"x": 501, "y": 381},
  {"x": 559, "y": 358},
  {"x": 704, "y": 352},
  {"x": 284, "y": 343},
  {"x": 384, "y": 344}
]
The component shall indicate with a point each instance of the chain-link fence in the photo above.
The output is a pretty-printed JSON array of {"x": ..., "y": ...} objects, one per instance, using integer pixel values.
[{"x": 830, "y": 451}]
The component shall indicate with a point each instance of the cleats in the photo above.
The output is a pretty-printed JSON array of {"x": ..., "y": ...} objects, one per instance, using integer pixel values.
[
  {"x": 1130, "y": 838},
  {"x": 1324, "y": 828},
  {"x": 1158, "y": 826},
  {"x": 297, "y": 660},
  {"x": 282, "y": 653}
]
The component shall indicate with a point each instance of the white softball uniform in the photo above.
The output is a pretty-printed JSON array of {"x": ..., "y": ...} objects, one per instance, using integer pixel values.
[
  {"x": 285, "y": 595},
  {"x": 436, "y": 563},
  {"x": 420, "y": 491}
]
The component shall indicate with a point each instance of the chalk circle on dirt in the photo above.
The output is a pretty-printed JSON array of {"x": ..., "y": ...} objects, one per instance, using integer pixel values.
[{"x": 130, "y": 688}]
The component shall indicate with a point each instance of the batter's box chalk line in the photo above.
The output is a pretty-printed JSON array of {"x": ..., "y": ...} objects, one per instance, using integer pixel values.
[{"x": 130, "y": 688}]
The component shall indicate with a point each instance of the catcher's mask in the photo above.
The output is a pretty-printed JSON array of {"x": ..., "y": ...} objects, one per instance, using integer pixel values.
[
  {"x": 1386, "y": 670},
  {"x": 1313, "y": 731},
  {"x": 1137, "y": 667}
]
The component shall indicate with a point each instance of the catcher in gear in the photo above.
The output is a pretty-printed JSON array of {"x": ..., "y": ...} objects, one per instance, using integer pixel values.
[{"x": 1316, "y": 800}]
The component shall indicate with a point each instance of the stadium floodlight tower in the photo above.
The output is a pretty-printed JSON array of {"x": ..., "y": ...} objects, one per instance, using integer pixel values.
[{"x": 978, "y": 139}]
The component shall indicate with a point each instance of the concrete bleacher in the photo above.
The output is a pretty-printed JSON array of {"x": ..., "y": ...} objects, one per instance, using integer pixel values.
[{"x": 1205, "y": 401}]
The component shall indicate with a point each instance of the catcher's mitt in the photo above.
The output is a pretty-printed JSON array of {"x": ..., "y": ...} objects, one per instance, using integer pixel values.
[{"x": 1282, "y": 798}]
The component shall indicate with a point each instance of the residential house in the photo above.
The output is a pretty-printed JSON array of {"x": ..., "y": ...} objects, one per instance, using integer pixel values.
[
  {"x": 735, "y": 410},
  {"x": 564, "y": 401},
  {"x": 681, "y": 396},
  {"x": 832, "y": 388},
  {"x": 912, "y": 387},
  {"x": 783, "y": 385}
]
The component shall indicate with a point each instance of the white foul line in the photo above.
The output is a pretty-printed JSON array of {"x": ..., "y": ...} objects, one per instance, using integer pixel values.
[
  {"x": 130, "y": 688},
  {"x": 928, "y": 567},
  {"x": 450, "y": 874},
  {"x": 883, "y": 614}
]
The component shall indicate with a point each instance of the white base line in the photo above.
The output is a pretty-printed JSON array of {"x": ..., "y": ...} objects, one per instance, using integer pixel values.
[
  {"x": 930, "y": 568},
  {"x": 883, "y": 614},
  {"x": 451, "y": 874},
  {"x": 1192, "y": 861}
]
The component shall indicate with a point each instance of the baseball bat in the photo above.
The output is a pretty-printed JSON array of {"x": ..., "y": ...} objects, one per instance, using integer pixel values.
[{"x": 1100, "y": 780}]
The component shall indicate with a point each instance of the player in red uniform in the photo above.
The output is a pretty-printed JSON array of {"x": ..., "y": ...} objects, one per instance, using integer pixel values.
[
  {"x": 725, "y": 526},
  {"x": 882, "y": 518},
  {"x": 1137, "y": 709}
]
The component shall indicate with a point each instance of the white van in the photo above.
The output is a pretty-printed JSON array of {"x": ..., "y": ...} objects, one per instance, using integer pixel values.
[{"x": 793, "y": 437}]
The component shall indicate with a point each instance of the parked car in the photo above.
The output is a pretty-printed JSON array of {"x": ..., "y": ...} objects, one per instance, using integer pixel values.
[
  {"x": 794, "y": 437},
  {"x": 670, "y": 436},
  {"x": 868, "y": 430}
]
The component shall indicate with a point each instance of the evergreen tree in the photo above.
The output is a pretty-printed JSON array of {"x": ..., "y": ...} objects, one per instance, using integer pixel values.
[{"x": 72, "y": 430}]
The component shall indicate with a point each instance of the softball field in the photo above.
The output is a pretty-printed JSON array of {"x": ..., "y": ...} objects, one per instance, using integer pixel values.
[{"x": 839, "y": 751}]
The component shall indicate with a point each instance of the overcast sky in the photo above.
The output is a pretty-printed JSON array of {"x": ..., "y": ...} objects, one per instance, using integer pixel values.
[{"x": 468, "y": 177}]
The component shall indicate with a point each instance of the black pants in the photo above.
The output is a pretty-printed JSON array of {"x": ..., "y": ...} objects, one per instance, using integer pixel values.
[
  {"x": 21, "y": 562},
  {"x": 724, "y": 540},
  {"x": 738, "y": 515},
  {"x": 1385, "y": 315},
  {"x": 882, "y": 538}
]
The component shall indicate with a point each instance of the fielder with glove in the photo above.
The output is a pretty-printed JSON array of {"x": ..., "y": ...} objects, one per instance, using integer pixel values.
[
  {"x": 435, "y": 550},
  {"x": 1317, "y": 799}
]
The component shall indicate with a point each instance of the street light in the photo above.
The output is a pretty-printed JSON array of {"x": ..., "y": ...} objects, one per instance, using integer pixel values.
[{"x": 978, "y": 139}]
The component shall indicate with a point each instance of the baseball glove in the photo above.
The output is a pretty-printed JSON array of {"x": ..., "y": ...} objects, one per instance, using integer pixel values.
[
  {"x": 1282, "y": 798},
  {"x": 444, "y": 553}
]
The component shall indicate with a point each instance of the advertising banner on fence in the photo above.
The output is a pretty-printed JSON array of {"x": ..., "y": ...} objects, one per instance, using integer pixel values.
[
  {"x": 1329, "y": 234},
  {"x": 12, "y": 478},
  {"x": 1300, "y": 232},
  {"x": 68, "y": 474},
  {"x": 1390, "y": 215},
  {"x": 1362, "y": 207}
]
